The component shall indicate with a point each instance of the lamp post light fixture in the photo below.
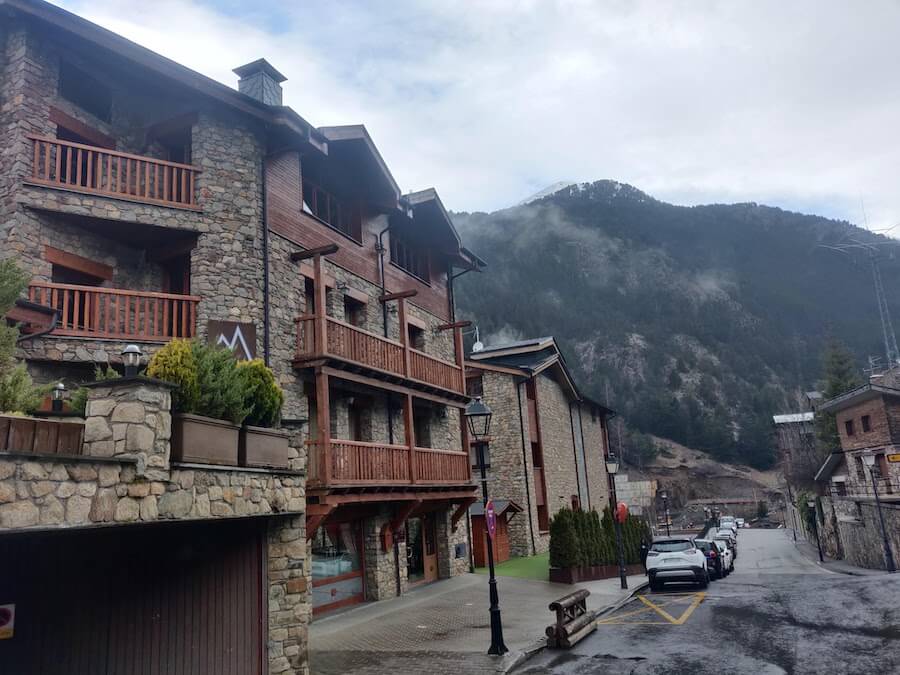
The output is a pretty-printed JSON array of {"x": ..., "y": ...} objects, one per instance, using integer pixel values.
[
  {"x": 869, "y": 461},
  {"x": 56, "y": 395},
  {"x": 612, "y": 468},
  {"x": 665, "y": 498},
  {"x": 811, "y": 505},
  {"x": 131, "y": 356},
  {"x": 478, "y": 417}
]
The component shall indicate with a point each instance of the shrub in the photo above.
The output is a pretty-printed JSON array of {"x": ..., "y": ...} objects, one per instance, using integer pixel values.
[
  {"x": 221, "y": 385},
  {"x": 565, "y": 550},
  {"x": 263, "y": 397},
  {"x": 177, "y": 364},
  {"x": 78, "y": 400},
  {"x": 18, "y": 393}
]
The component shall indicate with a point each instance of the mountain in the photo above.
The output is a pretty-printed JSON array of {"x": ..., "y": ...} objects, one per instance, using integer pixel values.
[
  {"x": 695, "y": 323},
  {"x": 547, "y": 192}
]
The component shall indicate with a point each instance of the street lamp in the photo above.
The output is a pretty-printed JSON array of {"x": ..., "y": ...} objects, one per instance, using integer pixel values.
[
  {"x": 665, "y": 498},
  {"x": 612, "y": 468},
  {"x": 811, "y": 505},
  {"x": 869, "y": 461},
  {"x": 131, "y": 355},
  {"x": 59, "y": 390},
  {"x": 478, "y": 416}
]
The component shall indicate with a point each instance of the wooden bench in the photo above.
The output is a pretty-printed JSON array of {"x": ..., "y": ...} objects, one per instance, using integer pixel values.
[{"x": 574, "y": 621}]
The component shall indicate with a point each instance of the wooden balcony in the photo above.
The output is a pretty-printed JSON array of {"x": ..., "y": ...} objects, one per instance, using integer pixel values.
[
  {"x": 99, "y": 171},
  {"x": 111, "y": 313},
  {"x": 341, "y": 463},
  {"x": 357, "y": 347},
  {"x": 888, "y": 489}
]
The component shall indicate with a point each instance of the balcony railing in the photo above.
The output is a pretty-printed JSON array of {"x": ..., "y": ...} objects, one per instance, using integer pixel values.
[
  {"x": 110, "y": 313},
  {"x": 94, "y": 170},
  {"x": 888, "y": 488},
  {"x": 341, "y": 462},
  {"x": 355, "y": 345}
]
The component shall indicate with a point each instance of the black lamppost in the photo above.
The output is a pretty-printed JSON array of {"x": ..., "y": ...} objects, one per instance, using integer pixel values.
[
  {"x": 56, "y": 396},
  {"x": 665, "y": 498},
  {"x": 478, "y": 415},
  {"x": 811, "y": 505},
  {"x": 888, "y": 555},
  {"x": 131, "y": 356},
  {"x": 612, "y": 468}
]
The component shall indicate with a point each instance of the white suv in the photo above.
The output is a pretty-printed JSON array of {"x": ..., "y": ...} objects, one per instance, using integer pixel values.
[{"x": 676, "y": 559}]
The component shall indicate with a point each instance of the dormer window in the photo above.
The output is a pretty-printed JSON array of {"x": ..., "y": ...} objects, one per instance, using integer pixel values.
[
  {"x": 410, "y": 257},
  {"x": 339, "y": 214}
]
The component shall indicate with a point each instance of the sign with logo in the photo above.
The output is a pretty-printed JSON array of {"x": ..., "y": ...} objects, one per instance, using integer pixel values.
[
  {"x": 7, "y": 621},
  {"x": 490, "y": 517},
  {"x": 236, "y": 336},
  {"x": 893, "y": 458}
]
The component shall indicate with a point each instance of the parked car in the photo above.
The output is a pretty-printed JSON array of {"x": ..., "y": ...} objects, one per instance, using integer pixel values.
[
  {"x": 729, "y": 539},
  {"x": 676, "y": 559},
  {"x": 726, "y": 556},
  {"x": 728, "y": 523},
  {"x": 740, "y": 522},
  {"x": 714, "y": 558}
]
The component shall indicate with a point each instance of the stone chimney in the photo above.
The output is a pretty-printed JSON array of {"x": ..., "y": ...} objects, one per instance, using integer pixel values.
[{"x": 261, "y": 81}]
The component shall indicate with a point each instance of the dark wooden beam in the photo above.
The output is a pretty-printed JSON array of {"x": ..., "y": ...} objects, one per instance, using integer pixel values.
[
  {"x": 456, "y": 324},
  {"x": 313, "y": 252},
  {"x": 78, "y": 263},
  {"x": 387, "y": 297},
  {"x": 316, "y": 515},
  {"x": 455, "y": 402},
  {"x": 403, "y": 511},
  {"x": 459, "y": 492},
  {"x": 95, "y": 137},
  {"x": 460, "y": 511}
]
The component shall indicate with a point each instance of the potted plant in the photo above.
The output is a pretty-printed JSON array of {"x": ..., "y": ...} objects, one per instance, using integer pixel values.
[
  {"x": 207, "y": 403},
  {"x": 260, "y": 444}
]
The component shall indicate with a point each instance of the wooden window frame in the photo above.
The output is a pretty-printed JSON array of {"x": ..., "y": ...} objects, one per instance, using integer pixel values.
[
  {"x": 403, "y": 252},
  {"x": 848, "y": 428},
  {"x": 865, "y": 422}
]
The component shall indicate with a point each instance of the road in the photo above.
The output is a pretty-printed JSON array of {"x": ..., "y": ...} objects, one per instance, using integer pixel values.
[{"x": 778, "y": 612}]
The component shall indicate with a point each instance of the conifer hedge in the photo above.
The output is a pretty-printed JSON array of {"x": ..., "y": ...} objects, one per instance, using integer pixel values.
[{"x": 583, "y": 538}]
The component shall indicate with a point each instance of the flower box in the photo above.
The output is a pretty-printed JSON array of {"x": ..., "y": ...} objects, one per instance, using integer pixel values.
[
  {"x": 41, "y": 436},
  {"x": 262, "y": 447},
  {"x": 204, "y": 440}
]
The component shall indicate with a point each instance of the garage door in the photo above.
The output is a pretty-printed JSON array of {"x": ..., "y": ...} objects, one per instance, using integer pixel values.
[{"x": 167, "y": 599}]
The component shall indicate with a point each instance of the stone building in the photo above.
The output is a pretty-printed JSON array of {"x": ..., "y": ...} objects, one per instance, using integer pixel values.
[
  {"x": 547, "y": 441},
  {"x": 868, "y": 423},
  {"x": 639, "y": 494},
  {"x": 148, "y": 202}
]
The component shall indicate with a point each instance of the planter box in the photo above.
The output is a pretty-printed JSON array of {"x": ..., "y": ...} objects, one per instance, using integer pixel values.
[
  {"x": 42, "y": 436},
  {"x": 261, "y": 447},
  {"x": 204, "y": 440},
  {"x": 574, "y": 575}
]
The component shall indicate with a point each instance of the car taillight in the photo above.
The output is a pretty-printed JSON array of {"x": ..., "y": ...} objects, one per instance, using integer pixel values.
[{"x": 712, "y": 554}]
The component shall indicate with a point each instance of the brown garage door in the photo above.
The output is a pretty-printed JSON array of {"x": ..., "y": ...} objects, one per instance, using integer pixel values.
[{"x": 167, "y": 599}]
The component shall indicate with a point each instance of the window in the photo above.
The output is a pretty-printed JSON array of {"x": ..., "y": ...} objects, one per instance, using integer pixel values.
[
  {"x": 671, "y": 546},
  {"x": 475, "y": 386},
  {"x": 85, "y": 91},
  {"x": 840, "y": 488},
  {"x": 473, "y": 456},
  {"x": 344, "y": 217},
  {"x": 354, "y": 312},
  {"x": 309, "y": 293},
  {"x": 848, "y": 427},
  {"x": 865, "y": 423},
  {"x": 860, "y": 468},
  {"x": 416, "y": 336},
  {"x": 422, "y": 426},
  {"x": 409, "y": 257}
]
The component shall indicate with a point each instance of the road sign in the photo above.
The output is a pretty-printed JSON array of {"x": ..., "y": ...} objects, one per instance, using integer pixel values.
[
  {"x": 7, "y": 621},
  {"x": 490, "y": 517},
  {"x": 893, "y": 458}
]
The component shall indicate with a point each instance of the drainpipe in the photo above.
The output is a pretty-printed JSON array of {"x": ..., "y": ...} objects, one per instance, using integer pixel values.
[
  {"x": 31, "y": 336},
  {"x": 584, "y": 454},
  {"x": 452, "y": 292},
  {"x": 265, "y": 253},
  {"x": 518, "y": 383},
  {"x": 379, "y": 248},
  {"x": 575, "y": 448}
]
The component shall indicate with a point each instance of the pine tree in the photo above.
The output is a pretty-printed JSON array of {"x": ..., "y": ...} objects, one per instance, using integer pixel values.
[{"x": 839, "y": 375}]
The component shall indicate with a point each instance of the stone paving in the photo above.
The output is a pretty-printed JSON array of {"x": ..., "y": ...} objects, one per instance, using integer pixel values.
[{"x": 443, "y": 627}]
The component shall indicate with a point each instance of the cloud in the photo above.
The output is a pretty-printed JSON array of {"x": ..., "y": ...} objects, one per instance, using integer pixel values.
[{"x": 789, "y": 104}]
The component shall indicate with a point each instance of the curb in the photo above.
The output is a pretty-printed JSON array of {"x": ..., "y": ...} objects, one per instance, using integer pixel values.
[{"x": 516, "y": 658}]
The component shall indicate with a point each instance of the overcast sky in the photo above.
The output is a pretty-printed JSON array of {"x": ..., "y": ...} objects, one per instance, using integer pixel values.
[{"x": 795, "y": 104}]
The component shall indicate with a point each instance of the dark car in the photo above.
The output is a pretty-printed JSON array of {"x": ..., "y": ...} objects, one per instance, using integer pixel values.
[{"x": 713, "y": 559}]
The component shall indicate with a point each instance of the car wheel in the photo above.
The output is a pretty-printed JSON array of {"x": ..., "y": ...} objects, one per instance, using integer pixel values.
[
  {"x": 655, "y": 586},
  {"x": 704, "y": 580}
]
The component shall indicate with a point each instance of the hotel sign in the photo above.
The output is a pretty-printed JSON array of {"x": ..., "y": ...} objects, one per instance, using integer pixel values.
[{"x": 236, "y": 336}]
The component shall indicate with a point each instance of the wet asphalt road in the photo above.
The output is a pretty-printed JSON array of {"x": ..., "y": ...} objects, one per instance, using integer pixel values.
[{"x": 777, "y": 613}]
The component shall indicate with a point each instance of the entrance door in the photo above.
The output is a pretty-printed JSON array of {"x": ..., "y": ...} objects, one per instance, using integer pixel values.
[{"x": 421, "y": 550}]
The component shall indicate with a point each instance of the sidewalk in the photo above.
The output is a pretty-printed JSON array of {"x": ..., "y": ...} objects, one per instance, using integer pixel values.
[
  {"x": 445, "y": 627},
  {"x": 810, "y": 550}
]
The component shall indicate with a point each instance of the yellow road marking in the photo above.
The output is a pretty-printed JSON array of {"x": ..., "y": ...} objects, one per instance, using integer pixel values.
[
  {"x": 698, "y": 598},
  {"x": 657, "y": 607}
]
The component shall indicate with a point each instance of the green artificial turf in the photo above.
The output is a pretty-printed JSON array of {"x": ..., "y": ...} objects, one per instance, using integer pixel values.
[{"x": 532, "y": 567}]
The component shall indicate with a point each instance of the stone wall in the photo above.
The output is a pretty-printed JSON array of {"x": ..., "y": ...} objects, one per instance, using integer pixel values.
[
  {"x": 853, "y": 529},
  {"x": 511, "y": 474},
  {"x": 554, "y": 419},
  {"x": 595, "y": 446},
  {"x": 640, "y": 495}
]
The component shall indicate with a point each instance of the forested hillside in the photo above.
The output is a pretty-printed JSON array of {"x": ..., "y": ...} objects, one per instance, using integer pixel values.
[{"x": 696, "y": 323}]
